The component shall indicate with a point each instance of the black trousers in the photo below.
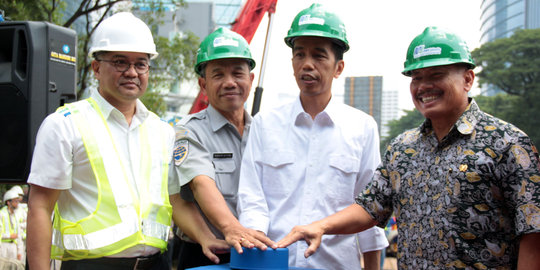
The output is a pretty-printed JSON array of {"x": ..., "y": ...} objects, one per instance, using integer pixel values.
[
  {"x": 191, "y": 255},
  {"x": 154, "y": 262}
]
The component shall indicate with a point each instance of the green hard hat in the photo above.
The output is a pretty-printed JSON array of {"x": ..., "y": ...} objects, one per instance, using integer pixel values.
[
  {"x": 436, "y": 47},
  {"x": 220, "y": 44},
  {"x": 315, "y": 21}
]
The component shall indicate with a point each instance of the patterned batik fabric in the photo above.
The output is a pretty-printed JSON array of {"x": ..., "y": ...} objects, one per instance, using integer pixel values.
[{"x": 461, "y": 203}]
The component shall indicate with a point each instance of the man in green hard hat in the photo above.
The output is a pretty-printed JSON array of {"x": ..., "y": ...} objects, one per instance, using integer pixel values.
[
  {"x": 308, "y": 159},
  {"x": 465, "y": 185},
  {"x": 208, "y": 151}
]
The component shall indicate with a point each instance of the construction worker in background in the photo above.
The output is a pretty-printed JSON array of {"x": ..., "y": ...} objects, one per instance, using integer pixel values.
[
  {"x": 22, "y": 212},
  {"x": 464, "y": 185},
  {"x": 10, "y": 226},
  {"x": 102, "y": 163},
  {"x": 308, "y": 159},
  {"x": 208, "y": 152}
]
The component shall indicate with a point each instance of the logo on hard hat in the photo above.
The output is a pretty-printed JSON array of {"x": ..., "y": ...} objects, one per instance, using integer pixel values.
[
  {"x": 221, "y": 41},
  {"x": 307, "y": 19},
  {"x": 421, "y": 50}
]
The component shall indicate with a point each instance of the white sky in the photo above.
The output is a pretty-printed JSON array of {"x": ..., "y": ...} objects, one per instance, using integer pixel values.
[{"x": 379, "y": 32}]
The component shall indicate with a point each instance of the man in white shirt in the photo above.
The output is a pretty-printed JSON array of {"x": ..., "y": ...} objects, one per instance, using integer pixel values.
[
  {"x": 310, "y": 158},
  {"x": 101, "y": 165},
  {"x": 9, "y": 227}
]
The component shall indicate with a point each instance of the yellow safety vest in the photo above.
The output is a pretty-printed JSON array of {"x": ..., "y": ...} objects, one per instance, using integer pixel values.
[
  {"x": 121, "y": 219},
  {"x": 7, "y": 226}
]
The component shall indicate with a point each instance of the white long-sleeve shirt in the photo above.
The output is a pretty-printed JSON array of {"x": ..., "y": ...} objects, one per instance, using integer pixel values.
[{"x": 297, "y": 170}]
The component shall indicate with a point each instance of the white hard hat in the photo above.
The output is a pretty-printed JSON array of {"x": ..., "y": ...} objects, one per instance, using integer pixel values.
[
  {"x": 123, "y": 32},
  {"x": 17, "y": 189},
  {"x": 10, "y": 195}
]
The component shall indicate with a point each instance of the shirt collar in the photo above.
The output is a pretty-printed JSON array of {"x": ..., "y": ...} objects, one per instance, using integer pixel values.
[
  {"x": 464, "y": 125},
  {"x": 217, "y": 120},
  {"x": 329, "y": 115},
  {"x": 141, "y": 112}
]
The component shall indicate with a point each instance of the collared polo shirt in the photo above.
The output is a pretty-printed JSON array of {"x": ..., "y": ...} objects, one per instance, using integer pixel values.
[
  {"x": 297, "y": 170},
  {"x": 213, "y": 147}
]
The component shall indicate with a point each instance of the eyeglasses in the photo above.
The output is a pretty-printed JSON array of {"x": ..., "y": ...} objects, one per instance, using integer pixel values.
[{"x": 122, "y": 65}]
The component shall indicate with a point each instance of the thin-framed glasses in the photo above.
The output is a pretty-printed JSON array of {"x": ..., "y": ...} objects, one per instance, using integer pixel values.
[{"x": 122, "y": 65}]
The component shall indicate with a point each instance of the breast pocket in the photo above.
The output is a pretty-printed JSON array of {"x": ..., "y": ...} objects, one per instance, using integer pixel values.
[
  {"x": 345, "y": 171},
  {"x": 277, "y": 172},
  {"x": 225, "y": 179}
]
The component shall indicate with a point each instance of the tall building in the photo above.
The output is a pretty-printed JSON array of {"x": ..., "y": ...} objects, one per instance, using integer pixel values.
[
  {"x": 365, "y": 93},
  {"x": 201, "y": 17},
  {"x": 225, "y": 11},
  {"x": 196, "y": 17},
  {"x": 501, "y": 18},
  {"x": 389, "y": 111}
]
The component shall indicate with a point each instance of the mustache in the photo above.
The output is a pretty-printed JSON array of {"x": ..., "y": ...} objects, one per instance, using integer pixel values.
[
  {"x": 308, "y": 76},
  {"x": 430, "y": 91},
  {"x": 135, "y": 81}
]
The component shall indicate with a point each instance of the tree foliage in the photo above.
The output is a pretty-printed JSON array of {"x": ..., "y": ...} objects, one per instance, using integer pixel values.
[
  {"x": 21, "y": 10},
  {"x": 412, "y": 119},
  {"x": 513, "y": 65},
  {"x": 176, "y": 55}
]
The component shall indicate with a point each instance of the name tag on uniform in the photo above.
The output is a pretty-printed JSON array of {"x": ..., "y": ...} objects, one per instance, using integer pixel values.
[{"x": 223, "y": 155}]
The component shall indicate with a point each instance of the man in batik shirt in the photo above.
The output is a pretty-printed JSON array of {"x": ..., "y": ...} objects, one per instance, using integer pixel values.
[{"x": 465, "y": 185}]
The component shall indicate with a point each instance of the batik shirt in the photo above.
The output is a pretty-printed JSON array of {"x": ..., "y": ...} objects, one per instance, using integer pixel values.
[{"x": 461, "y": 203}]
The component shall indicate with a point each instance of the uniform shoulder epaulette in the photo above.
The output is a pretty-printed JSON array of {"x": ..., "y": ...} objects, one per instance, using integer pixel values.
[{"x": 180, "y": 132}]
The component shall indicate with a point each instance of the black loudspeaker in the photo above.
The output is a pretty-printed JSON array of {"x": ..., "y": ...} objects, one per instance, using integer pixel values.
[{"x": 37, "y": 75}]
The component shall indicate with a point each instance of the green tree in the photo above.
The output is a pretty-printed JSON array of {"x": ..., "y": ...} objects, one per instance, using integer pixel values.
[
  {"x": 501, "y": 106},
  {"x": 176, "y": 55},
  {"x": 412, "y": 119},
  {"x": 513, "y": 65}
]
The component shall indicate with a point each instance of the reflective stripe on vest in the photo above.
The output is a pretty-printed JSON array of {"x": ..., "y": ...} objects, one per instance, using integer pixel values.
[
  {"x": 122, "y": 218},
  {"x": 7, "y": 226}
]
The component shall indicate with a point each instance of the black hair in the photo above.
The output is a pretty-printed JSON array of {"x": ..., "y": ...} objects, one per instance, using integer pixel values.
[{"x": 338, "y": 48}]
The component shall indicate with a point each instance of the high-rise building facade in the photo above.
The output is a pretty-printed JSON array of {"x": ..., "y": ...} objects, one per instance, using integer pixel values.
[
  {"x": 201, "y": 17},
  {"x": 389, "y": 110},
  {"x": 365, "y": 93},
  {"x": 225, "y": 11},
  {"x": 501, "y": 18}
]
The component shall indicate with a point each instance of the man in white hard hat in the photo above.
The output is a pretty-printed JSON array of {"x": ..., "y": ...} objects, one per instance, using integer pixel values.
[
  {"x": 102, "y": 163},
  {"x": 21, "y": 212},
  {"x": 9, "y": 226}
]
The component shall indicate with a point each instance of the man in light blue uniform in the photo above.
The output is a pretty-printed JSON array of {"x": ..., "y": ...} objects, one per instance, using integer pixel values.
[{"x": 208, "y": 152}]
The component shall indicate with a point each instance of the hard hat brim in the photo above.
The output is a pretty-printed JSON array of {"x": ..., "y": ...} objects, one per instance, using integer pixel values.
[{"x": 433, "y": 63}]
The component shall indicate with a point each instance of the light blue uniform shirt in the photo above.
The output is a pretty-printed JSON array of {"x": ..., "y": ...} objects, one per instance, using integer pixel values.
[{"x": 208, "y": 144}]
